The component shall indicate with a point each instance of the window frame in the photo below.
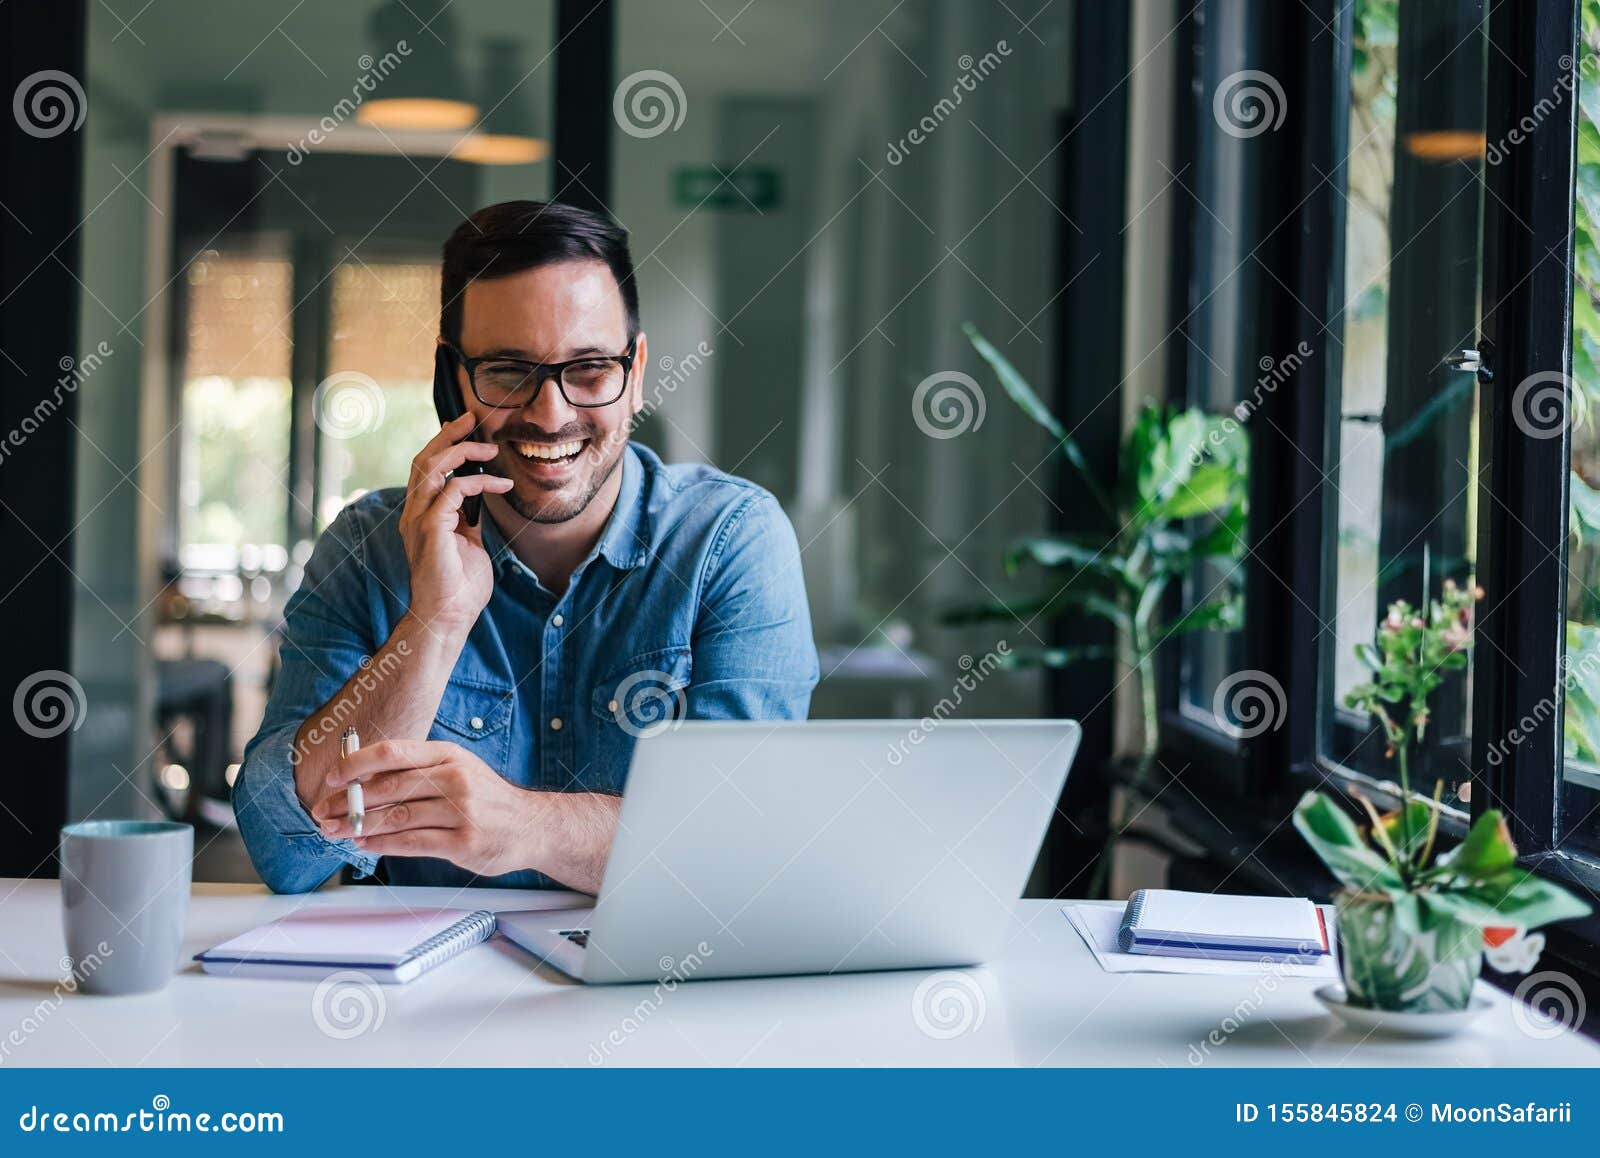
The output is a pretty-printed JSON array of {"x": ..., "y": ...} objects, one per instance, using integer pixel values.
[{"x": 1520, "y": 535}]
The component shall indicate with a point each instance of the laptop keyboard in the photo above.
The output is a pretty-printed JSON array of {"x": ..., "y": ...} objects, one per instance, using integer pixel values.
[{"x": 579, "y": 937}]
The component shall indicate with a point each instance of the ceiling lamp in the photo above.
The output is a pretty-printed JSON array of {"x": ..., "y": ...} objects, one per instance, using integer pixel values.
[
  {"x": 508, "y": 134},
  {"x": 425, "y": 91}
]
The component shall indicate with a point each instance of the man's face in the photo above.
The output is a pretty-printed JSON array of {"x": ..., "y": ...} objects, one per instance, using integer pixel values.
[{"x": 554, "y": 313}]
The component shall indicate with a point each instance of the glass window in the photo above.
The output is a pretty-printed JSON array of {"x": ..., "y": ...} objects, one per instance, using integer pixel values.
[
  {"x": 236, "y": 398},
  {"x": 819, "y": 196},
  {"x": 259, "y": 217},
  {"x": 1220, "y": 334},
  {"x": 1402, "y": 505},
  {"x": 1580, "y": 802},
  {"x": 374, "y": 410}
]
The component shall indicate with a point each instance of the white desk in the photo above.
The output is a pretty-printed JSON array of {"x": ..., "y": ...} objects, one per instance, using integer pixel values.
[{"x": 1045, "y": 1001}]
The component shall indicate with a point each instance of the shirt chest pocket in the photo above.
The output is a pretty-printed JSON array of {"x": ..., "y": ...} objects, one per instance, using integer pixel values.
[
  {"x": 478, "y": 717},
  {"x": 638, "y": 698}
]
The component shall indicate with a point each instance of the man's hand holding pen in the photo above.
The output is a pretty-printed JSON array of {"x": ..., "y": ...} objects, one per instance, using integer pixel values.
[{"x": 434, "y": 798}]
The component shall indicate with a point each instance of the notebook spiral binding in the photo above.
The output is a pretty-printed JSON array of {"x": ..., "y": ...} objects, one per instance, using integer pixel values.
[
  {"x": 1130, "y": 921},
  {"x": 462, "y": 935}
]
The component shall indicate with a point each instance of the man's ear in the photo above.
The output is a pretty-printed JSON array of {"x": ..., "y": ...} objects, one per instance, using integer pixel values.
[{"x": 641, "y": 366}]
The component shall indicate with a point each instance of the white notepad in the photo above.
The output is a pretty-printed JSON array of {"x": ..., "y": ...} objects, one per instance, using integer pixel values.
[
  {"x": 1168, "y": 923},
  {"x": 389, "y": 945}
]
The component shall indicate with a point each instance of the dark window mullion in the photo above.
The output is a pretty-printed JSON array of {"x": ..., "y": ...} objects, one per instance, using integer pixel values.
[
  {"x": 1522, "y": 512},
  {"x": 310, "y": 322}
]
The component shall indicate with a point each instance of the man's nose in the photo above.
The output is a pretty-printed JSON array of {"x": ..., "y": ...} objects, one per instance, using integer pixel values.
[{"x": 548, "y": 409}]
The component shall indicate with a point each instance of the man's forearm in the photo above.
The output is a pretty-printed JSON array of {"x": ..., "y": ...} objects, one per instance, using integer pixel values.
[
  {"x": 571, "y": 836},
  {"x": 394, "y": 697}
]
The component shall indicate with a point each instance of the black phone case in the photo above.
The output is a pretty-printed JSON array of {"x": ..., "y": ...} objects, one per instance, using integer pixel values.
[{"x": 447, "y": 401}]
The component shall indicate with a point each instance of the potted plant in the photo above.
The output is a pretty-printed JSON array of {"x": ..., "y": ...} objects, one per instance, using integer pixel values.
[
  {"x": 1413, "y": 920},
  {"x": 1179, "y": 502}
]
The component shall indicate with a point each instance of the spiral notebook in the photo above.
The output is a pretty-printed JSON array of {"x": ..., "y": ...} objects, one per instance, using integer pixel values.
[
  {"x": 1168, "y": 923},
  {"x": 389, "y": 945}
]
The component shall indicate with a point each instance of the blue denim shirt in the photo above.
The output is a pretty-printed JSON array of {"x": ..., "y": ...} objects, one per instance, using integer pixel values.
[{"x": 690, "y": 604}]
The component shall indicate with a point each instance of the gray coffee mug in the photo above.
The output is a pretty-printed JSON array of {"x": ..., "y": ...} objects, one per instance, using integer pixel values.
[{"x": 124, "y": 901}]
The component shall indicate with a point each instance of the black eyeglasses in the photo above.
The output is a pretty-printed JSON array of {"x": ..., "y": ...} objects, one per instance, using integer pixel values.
[{"x": 510, "y": 383}]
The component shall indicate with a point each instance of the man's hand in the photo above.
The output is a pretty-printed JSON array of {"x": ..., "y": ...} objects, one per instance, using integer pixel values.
[
  {"x": 432, "y": 798},
  {"x": 451, "y": 576}
]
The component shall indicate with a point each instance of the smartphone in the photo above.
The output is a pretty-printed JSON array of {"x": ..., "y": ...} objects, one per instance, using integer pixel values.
[{"x": 447, "y": 401}]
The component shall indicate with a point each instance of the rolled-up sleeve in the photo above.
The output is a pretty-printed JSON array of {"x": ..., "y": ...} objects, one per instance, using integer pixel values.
[
  {"x": 754, "y": 655},
  {"x": 327, "y": 633}
]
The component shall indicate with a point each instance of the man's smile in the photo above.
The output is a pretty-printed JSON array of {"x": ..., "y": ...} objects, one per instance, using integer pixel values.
[{"x": 550, "y": 451}]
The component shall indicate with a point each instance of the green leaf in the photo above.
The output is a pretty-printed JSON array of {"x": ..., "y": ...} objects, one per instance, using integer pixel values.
[
  {"x": 1585, "y": 509},
  {"x": 1515, "y": 897},
  {"x": 1225, "y": 538},
  {"x": 1066, "y": 550},
  {"x": 1216, "y": 615},
  {"x": 1020, "y": 392},
  {"x": 1336, "y": 839},
  {"x": 1418, "y": 812},
  {"x": 1208, "y": 489},
  {"x": 1138, "y": 452},
  {"x": 1486, "y": 851},
  {"x": 1581, "y": 725}
]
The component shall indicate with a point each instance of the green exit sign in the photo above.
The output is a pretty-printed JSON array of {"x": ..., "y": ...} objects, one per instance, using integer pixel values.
[{"x": 750, "y": 188}]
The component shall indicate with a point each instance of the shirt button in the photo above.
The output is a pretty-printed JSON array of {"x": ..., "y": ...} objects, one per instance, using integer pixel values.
[
  {"x": 477, "y": 723},
  {"x": 555, "y": 724},
  {"x": 556, "y": 621},
  {"x": 612, "y": 706}
]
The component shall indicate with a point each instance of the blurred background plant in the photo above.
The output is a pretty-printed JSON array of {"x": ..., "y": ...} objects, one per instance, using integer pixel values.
[{"x": 1179, "y": 499}]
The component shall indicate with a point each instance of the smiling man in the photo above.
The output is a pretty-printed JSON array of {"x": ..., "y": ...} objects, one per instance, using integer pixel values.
[{"x": 498, "y": 673}]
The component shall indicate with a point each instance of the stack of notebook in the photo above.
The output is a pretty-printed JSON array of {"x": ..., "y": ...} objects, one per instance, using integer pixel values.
[{"x": 1166, "y": 923}]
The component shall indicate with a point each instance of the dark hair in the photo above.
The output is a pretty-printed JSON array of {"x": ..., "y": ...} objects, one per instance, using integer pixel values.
[{"x": 507, "y": 238}]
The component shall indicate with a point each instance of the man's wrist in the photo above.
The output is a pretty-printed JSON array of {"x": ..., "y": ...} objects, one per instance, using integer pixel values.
[
  {"x": 532, "y": 851},
  {"x": 433, "y": 636}
]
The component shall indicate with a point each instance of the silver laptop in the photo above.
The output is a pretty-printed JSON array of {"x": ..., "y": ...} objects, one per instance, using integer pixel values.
[{"x": 758, "y": 848}]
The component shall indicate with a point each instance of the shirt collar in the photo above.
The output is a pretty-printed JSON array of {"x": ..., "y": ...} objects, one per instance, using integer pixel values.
[{"x": 624, "y": 543}]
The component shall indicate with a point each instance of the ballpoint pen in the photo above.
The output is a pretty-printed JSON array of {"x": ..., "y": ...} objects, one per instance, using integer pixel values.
[{"x": 349, "y": 745}]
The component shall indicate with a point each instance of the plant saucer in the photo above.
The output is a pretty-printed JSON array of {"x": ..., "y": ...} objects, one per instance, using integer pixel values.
[{"x": 1398, "y": 1024}]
